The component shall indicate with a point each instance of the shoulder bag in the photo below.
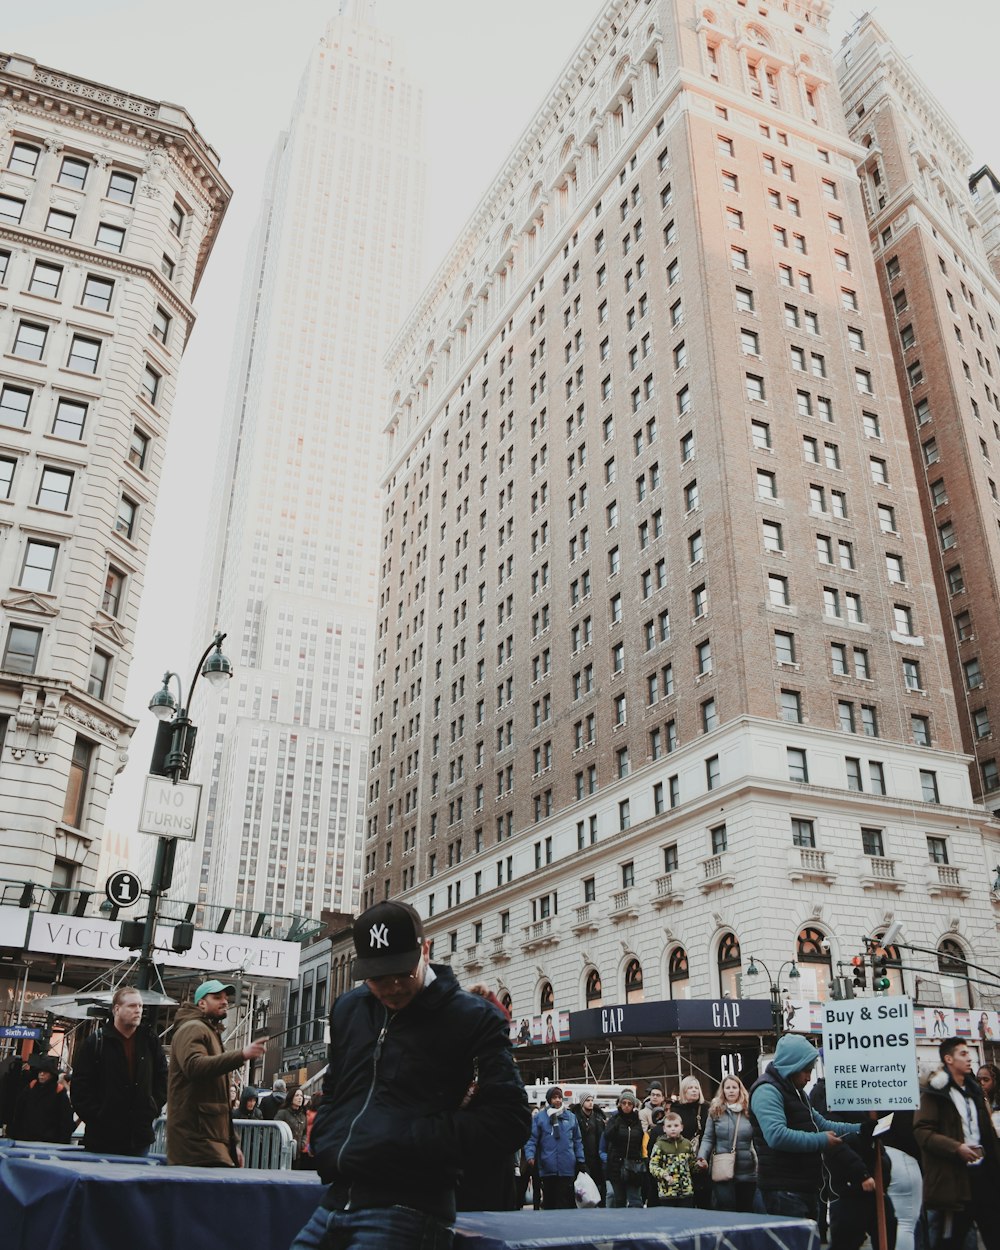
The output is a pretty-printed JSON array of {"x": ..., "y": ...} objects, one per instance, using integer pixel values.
[{"x": 724, "y": 1162}]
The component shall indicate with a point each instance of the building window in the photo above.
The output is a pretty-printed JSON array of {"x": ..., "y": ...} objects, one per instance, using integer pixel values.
[
  {"x": 83, "y": 354},
  {"x": 97, "y": 292},
  {"x": 15, "y": 401},
  {"x": 161, "y": 325},
  {"x": 956, "y": 990},
  {"x": 678, "y": 975},
  {"x": 929, "y": 786},
  {"x": 812, "y": 953},
  {"x": 24, "y": 158},
  {"x": 22, "y": 649},
  {"x": 110, "y": 238},
  {"x": 114, "y": 592},
  {"x": 11, "y": 210},
  {"x": 54, "y": 489},
  {"x": 73, "y": 173},
  {"x": 60, "y": 224},
  {"x": 76, "y": 789},
  {"x": 177, "y": 216},
  {"x": 633, "y": 982},
  {"x": 38, "y": 567},
  {"x": 803, "y": 832},
  {"x": 138, "y": 448},
  {"x": 719, "y": 839},
  {"x": 730, "y": 961},
  {"x": 125, "y": 521},
  {"x": 593, "y": 991},
  {"x": 29, "y": 341},
  {"x": 798, "y": 765},
  {"x": 45, "y": 279},
  {"x": 100, "y": 672},
  {"x": 150, "y": 384},
  {"x": 121, "y": 187},
  {"x": 713, "y": 774},
  {"x": 70, "y": 418},
  {"x": 937, "y": 850}
]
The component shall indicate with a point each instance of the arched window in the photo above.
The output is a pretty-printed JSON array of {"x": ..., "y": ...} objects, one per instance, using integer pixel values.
[
  {"x": 507, "y": 1002},
  {"x": 546, "y": 999},
  {"x": 633, "y": 981},
  {"x": 677, "y": 973},
  {"x": 730, "y": 963},
  {"x": 955, "y": 988},
  {"x": 594, "y": 993},
  {"x": 812, "y": 951}
]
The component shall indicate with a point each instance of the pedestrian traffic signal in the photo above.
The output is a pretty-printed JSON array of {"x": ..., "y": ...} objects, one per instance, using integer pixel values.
[
  {"x": 131, "y": 934},
  {"x": 860, "y": 975},
  {"x": 880, "y": 970}
]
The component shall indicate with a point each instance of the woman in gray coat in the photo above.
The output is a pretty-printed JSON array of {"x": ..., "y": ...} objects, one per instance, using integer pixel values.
[{"x": 728, "y": 1129}]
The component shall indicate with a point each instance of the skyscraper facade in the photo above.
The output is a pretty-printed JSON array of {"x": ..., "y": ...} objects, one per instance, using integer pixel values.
[
  {"x": 661, "y": 678},
  {"x": 110, "y": 205},
  {"x": 293, "y": 567},
  {"x": 942, "y": 305}
]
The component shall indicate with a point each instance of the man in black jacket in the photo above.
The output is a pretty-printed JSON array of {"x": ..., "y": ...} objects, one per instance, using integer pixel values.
[
  {"x": 120, "y": 1080},
  {"x": 420, "y": 1081}
]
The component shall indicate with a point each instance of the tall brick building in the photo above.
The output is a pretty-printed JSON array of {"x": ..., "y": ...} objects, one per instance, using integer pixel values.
[
  {"x": 110, "y": 205},
  {"x": 942, "y": 305},
  {"x": 661, "y": 677}
]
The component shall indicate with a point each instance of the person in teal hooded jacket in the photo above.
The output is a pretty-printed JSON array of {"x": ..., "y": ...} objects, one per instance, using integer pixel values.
[{"x": 789, "y": 1135}]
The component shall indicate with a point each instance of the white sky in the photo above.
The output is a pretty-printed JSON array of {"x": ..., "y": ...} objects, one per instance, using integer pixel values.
[{"x": 485, "y": 66}]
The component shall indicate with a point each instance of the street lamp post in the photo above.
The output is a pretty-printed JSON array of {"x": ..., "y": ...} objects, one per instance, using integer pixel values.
[
  {"x": 777, "y": 1014},
  {"x": 172, "y": 758}
]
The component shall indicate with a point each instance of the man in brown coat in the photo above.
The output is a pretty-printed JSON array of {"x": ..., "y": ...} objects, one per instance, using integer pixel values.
[
  {"x": 199, "y": 1118},
  {"x": 961, "y": 1153}
]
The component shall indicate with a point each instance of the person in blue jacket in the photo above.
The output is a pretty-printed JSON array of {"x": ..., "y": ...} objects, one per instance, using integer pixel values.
[
  {"x": 790, "y": 1135},
  {"x": 555, "y": 1151}
]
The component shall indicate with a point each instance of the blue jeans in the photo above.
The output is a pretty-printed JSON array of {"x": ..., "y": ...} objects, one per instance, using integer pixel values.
[
  {"x": 388, "y": 1228},
  {"x": 785, "y": 1202}
]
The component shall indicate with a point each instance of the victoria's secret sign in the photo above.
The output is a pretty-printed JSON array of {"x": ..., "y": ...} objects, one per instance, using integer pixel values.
[{"x": 715, "y": 1015}]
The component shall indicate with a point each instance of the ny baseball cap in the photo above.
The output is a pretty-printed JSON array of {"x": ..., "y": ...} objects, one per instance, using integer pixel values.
[
  {"x": 388, "y": 939},
  {"x": 212, "y": 987}
]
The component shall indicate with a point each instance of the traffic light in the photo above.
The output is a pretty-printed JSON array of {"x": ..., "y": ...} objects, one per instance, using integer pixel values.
[
  {"x": 131, "y": 934},
  {"x": 183, "y": 937},
  {"x": 880, "y": 970},
  {"x": 860, "y": 976}
]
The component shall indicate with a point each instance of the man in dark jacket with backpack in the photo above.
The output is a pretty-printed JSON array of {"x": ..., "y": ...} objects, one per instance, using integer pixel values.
[
  {"x": 420, "y": 1080},
  {"x": 120, "y": 1080}
]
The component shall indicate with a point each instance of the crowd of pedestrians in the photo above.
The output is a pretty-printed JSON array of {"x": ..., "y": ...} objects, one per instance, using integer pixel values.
[
  {"x": 423, "y": 1113},
  {"x": 774, "y": 1149}
]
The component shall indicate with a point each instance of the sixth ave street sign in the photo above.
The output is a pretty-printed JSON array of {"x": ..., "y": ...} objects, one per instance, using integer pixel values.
[{"x": 168, "y": 810}]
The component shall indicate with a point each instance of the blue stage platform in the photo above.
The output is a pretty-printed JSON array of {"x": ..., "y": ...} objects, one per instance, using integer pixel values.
[{"x": 58, "y": 1203}]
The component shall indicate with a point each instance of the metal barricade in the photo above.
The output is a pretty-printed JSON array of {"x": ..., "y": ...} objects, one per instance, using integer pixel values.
[{"x": 265, "y": 1144}]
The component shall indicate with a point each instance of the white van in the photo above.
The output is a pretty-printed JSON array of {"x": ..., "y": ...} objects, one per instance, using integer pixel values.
[{"x": 606, "y": 1096}]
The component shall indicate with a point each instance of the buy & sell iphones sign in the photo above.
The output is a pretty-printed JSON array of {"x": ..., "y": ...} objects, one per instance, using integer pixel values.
[{"x": 870, "y": 1055}]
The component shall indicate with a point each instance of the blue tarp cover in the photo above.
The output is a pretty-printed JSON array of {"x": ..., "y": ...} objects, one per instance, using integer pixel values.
[{"x": 57, "y": 1203}]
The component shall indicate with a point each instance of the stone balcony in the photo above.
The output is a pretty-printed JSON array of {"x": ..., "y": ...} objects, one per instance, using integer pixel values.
[
  {"x": 945, "y": 880},
  {"x": 806, "y": 863},
  {"x": 717, "y": 872},
  {"x": 584, "y": 919},
  {"x": 876, "y": 872},
  {"x": 624, "y": 906},
  {"x": 539, "y": 935},
  {"x": 666, "y": 890}
]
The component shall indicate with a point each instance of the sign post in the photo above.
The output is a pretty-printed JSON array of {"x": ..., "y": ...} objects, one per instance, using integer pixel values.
[{"x": 870, "y": 1064}]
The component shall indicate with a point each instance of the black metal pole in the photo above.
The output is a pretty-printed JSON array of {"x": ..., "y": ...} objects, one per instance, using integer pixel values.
[{"x": 177, "y": 766}]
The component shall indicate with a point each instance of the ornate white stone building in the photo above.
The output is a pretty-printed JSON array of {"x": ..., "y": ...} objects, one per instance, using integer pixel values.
[
  {"x": 109, "y": 208},
  {"x": 661, "y": 681}
]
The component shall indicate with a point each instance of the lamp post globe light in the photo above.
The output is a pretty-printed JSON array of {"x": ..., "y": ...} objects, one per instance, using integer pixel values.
[
  {"x": 175, "y": 738},
  {"x": 777, "y": 1014}
]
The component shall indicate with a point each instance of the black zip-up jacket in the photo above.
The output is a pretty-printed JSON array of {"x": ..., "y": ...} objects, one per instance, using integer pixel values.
[
  {"x": 118, "y": 1110},
  {"x": 397, "y": 1122}
]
